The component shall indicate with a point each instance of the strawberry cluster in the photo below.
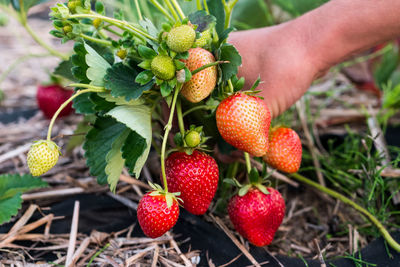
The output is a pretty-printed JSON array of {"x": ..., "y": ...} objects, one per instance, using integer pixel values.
[{"x": 188, "y": 65}]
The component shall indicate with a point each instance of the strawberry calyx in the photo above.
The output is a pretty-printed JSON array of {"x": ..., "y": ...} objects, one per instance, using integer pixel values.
[
  {"x": 193, "y": 139},
  {"x": 255, "y": 182},
  {"x": 50, "y": 144},
  {"x": 157, "y": 190}
]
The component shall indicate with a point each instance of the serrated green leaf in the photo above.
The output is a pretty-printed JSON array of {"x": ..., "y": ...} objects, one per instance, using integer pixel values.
[
  {"x": 115, "y": 161},
  {"x": 98, "y": 143},
  {"x": 228, "y": 52},
  {"x": 134, "y": 147},
  {"x": 146, "y": 52},
  {"x": 179, "y": 64},
  {"x": 217, "y": 10},
  {"x": 119, "y": 101},
  {"x": 138, "y": 119},
  {"x": 97, "y": 66},
  {"x": 224, "y": 35},
  {"x": 9, "y": 207},
  {"x": 102, "y": 106},
  {"x": 202, "y": 20},
  {"x": 64, "y": 69},
  {"x": 188, "y": 74},
  {"x": 120, "y": 79},
  {"x": 11, "y": 184},
  {"x": 145, "y": 64}
]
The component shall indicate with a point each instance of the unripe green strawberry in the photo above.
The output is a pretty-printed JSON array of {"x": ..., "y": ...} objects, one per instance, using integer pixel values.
[
  {"x": 181, "y": 38},
  {"x": 202, "y": 83},
  {"x": 284, "y": 152},
  {"x": 163, "y": 67},
  {"x": 42, "y": 156},
  {"x": 204, "y": 39},
  {"x": 193, "y": 139},
  {"x": 67, "y": 28}
]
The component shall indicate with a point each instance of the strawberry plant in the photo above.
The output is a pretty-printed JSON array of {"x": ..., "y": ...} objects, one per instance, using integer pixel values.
[{"x": 132, "y": 78}]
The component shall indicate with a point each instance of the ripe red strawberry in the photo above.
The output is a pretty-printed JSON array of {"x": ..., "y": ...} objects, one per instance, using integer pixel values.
[
  {"x": 284, "y": 152},
  {"x": 195, "y": 176},
  {"x": 202, "y": 83},
  {"x": 257, "y": 216},
  {"x": 243, "y": 121},
  {"x": 154, "y": 216},
  {"x": 51, "y": 97}
]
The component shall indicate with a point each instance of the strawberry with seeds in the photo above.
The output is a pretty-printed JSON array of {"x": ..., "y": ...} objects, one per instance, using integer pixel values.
[
  {"x": 256, "y": 211},
  {"x": 157, "y": 212},
  {"x": 243, "y": 121},
  {"x": 51, "y": 97},
  {"x": 195, "y": 176},
  {"x": 284, "y": 152},
  {"x": 202, "y": 83}
]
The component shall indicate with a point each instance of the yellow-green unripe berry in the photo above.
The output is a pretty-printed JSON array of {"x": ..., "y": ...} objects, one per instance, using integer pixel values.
[
  {"x": 204, "y": 39},
  {"x": 163, "y": 67},
  {"x": 193, "y": 139},
  {"x": 181, "y": 39},
  {"x": 96, "y": 22},
  {"x": 122, "y": 53},
  {"x": 67, "y": 28},
  {"x": 72, "y": 5},
  {"x": 42, "y": 156}
]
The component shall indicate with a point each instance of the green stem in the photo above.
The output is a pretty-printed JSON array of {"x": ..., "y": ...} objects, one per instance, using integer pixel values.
[
  {"x": 138, "y": 10},
  {"x": 178, "y": 8},
  {"x": 208, "y": 65},
  {"x": 332, "y": 193},
  {"x": 205, "y": 107},
  {"x": 118, "y": 23},
  {"x": 162, "y": 9},
  {"x": 248, "y": 162},
  {"x": 112, "y": 31},
  {"x": 171, "y": 8},
  {"x": 198, "y": 4},
  {"x": 165, "y": 139},
  {"x": 228, "y": 11},
  {"x": 38, "y": 40},
  {"x": 231, "y": 89},
  {"x": 90, "y": 89},
  {"x": 180, "y": 117},
  {"x": 96, "y": 40},
  {"x": 206, "y": 6}
]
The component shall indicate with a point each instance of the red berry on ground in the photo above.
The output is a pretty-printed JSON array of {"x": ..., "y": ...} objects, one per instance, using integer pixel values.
[
  {"x": 195, "y": 176},
  {"x": 154, "y": 216},
  {"x": 51, "y": 97},
  {"x": 257, "y": 216}
]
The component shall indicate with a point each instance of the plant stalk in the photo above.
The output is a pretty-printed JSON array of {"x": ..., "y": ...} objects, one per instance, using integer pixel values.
[
  {"x": 180, "y": 117},
  {"x": 162, "y": 9},
  {"x": 248, "y": 162},
  {"x": 165, "y": 138},
  {"x": 386, "y": 235},
  {"x": 205, "y": 107},
  {"x": 89, "y": 90},
  {"x": 119, "y": 23},
  {"x": 178, "y": 8},
  {"x": 138, "y": 10},
  {"x": 95, "y": 40},
  {"x": 208, "y": 65},
  {"x": 171, "y": 8}
]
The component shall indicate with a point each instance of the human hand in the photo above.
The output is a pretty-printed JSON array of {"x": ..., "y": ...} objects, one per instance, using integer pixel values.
[{"x": 278, "y": 55}]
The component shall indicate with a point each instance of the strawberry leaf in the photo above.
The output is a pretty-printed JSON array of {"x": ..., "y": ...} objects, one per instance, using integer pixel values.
[
  {"x": 243, "y": 191},
  {"x": 11, "y": 188},
  {"x": 217, "y": 10},
  {"x": 229, "y": 53},
  {"x": 202, "y": 20},
  {"x": 97, "y": 66},
  {"x": 120, "y": 79},
  {"x": 254, "y": 176},
  {"x": 115, "y": 161},
  {"x": 99, "y": 141},
  {"x": 262, "y": 188},
  {"x": 138, "y": 119},
  {"x": 64, "y": 70},
  {"x": 146, "y": 52}
]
